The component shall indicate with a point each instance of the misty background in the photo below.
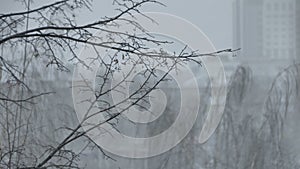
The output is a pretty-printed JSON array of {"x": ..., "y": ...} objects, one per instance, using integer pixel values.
[{"x": 260, "y": 127}]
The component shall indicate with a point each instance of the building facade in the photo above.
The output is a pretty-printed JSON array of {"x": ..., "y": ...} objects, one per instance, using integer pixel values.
[
  {"x": 266, "y": 31},
  {"x": 298, "y": 30}
]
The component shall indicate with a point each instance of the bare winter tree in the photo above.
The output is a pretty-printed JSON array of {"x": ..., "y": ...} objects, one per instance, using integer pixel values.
[
  {"x": 279, "y": 131},
  {"x": 48, "y": 38},
  {"x": 235, "y": 133}
]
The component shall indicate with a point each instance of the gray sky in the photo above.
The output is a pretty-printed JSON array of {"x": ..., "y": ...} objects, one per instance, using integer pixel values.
[{"x": 213, "y": 17}]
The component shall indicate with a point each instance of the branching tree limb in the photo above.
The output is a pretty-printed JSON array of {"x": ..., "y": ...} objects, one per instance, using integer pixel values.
[{"x": 52, "y": 36}]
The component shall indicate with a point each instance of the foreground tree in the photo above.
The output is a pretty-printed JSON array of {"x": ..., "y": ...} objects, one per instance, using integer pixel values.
[{"x": 49, "y": 37}]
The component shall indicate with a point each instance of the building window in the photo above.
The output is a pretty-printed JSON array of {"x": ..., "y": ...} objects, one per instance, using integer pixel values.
[
  {"x": 283, "y": 53},
  {"x": 291, "y": 52},
  {"x": 267, "y": 52},
  {"x": 291, "y": 6},
  {"x": 269, "y": 7},
  {"x": 275, "y": 53},
  {"x": 276, "y": 6},
  {"x": 283, "y": 6}
]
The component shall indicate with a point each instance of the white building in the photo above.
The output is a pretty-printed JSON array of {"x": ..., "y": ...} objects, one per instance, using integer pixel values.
[
  {"x": 279, "y": 29},
  {"x": 266, "y": 30}
]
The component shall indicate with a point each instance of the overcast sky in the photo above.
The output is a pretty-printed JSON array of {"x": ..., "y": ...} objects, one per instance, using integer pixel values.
[{"x": 213, "y": 17}]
